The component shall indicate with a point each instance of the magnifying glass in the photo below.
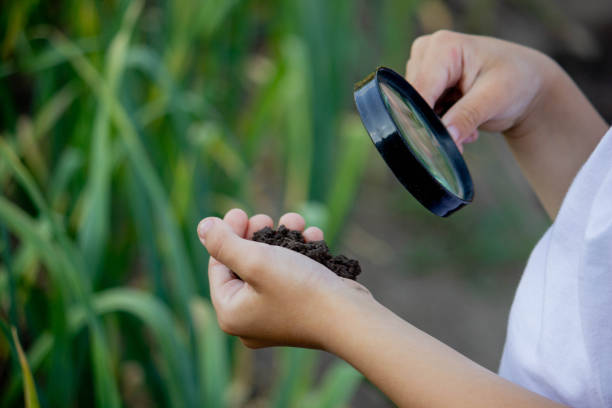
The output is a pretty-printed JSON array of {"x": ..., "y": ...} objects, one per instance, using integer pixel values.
[{"x": 413, "y": 142}]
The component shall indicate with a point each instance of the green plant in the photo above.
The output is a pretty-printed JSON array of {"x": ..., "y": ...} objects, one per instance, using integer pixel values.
[{"x": 124, "y": 123}]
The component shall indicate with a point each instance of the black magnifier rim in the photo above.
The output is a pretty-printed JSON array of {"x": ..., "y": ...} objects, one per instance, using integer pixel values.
[{"x": 395, "y": 150}]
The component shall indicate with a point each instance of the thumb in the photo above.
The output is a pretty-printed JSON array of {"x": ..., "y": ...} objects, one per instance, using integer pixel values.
[
  {"x": 225, "y": 246},
  {"x": 476, "y": 107}
]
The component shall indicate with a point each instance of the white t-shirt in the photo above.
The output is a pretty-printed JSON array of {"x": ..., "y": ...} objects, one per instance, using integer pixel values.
[{"x": 559, "y": 341}]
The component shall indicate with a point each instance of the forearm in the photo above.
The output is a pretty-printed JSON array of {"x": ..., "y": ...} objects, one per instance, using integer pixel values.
[
  {"x": 415, "y": 370},
  {"x": 557, "y": 135}
]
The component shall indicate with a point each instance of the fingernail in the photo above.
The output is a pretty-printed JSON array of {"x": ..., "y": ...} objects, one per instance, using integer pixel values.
[
  {"x": 204, "y": 226},
  {"x": 454, "y": 132},
  {"x": 470, "y": 139}
]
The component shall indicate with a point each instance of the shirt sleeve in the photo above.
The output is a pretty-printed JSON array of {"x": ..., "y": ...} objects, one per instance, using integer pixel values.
[
  {"x": 559, "y": 338},
  {"x": 595, "y": 288}
]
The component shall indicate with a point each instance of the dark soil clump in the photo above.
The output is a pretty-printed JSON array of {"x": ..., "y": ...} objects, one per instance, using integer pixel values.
[{"x": 316, "y": 250}]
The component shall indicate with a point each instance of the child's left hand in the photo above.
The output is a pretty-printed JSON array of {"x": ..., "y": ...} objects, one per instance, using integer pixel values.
[{"x": 282, "y": 297}]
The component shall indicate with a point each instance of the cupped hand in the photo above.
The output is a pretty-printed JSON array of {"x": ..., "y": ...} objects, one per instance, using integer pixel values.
[
  {"x": 269, "y": 295},
  {"x": 491, "y": 84}
]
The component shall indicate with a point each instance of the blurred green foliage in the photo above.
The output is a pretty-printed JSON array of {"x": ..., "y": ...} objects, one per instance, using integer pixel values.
[{"x": 122, "y": 124}]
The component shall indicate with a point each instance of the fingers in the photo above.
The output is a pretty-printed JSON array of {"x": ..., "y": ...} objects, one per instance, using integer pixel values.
[
  {"x": 258, "y": 222},
  {"x": 293, "y": 221},
  {"x": 313, "y": 234},
  {"x": 472, "y": 110},
  {"x": 238, "y": 220},
  {"x": 254, "y": 343},
  {"x": 223, "y": 283},
  {"x": 436, "y": 64},
  {"x": 229, "y": 251},
  {"x": 246, "y": 258},
  {"x": 472, "y": 138},
  {"x": 445, "y": 60},
  {"x": 219, "y": 274}
]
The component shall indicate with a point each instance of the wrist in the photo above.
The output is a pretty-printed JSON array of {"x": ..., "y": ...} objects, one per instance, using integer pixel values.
[
  {"x": 550, "y": 80},
  {"x": 556, "y": 135},
  {"x": 346, "y": 317}
]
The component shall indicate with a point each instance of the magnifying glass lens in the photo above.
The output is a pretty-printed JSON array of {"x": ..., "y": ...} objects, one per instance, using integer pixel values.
[
  {"x": 422, "y": 142},
  {"x": 413, "y": 142}
]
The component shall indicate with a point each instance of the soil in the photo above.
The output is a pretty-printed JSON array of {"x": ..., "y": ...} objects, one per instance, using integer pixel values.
[{"x": 316, "y": 250}]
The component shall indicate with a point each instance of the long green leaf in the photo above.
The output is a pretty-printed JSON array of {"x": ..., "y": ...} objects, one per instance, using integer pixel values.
[
  {"x": 94, "y": 229},
  {"x": 156, "y": 317},
  {"x": 67, "y": 167},
  {"x": 29, "y": 388},
  {"x": 49, "y": 57},
  {"x": 8, "y": 263},
  {"x": 347, "y": 175},
  {"x": 212, "y": 351},
  {"x": 107, "y": 394},
  {"x": 299, "y": 130},
  {"x": 49, "y": 114},
  {"x": 337, "y": 387},
  {"x": 38, "y": 352},
  {"x": 295, "y": 376},
  {"x": 263, "y": 118},
  {"x": 23, "y": 176},
  {"x": 27, "y": 230},
  {"x": 212, "y": 13}
]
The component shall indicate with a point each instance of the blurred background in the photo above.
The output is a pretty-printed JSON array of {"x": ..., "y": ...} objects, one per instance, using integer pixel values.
[{"x": 123, "y": 123}]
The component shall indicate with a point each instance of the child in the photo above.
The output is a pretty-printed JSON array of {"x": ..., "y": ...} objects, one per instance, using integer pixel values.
[{"x": 559, "y": 341}]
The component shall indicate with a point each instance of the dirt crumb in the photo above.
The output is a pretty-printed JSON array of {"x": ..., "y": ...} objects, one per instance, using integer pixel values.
[{"x": 316, "y": 250}]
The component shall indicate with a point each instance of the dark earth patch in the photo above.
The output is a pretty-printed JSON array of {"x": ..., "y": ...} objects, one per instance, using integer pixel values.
[{"x": 316, "y": 250}]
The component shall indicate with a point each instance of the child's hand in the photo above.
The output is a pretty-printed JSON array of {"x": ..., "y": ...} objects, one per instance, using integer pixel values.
[
  {"x": 503, "y": 87},
  {"x": 284, "y": 298},
  {"x": 499, "y": 82}
]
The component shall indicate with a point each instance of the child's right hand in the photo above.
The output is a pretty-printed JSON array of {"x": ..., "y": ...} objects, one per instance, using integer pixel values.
[
  {"x": 499, "y": 82},
  {"x": 504, "y": 87}
]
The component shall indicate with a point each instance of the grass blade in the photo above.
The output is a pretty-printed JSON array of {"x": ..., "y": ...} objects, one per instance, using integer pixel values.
[
  {"x": 264, "y": 114},
  {"x": 210, "y": 139},
  {"x": 157, "y": 318},
  {"x": 49, "y": 114},
  {"x": 107, "y": 394},
  {"x": 337, "y": 387},
  {"x": 347, "y": 174},
  {"x": 22, "y": 175},
  {"x": 212, "y": 13},
  {"x": 37, "y": 353},
  {"x": 213, "y": 363},
  {"x": 94, "y": 228},
  {"x": 295, "y": 376},
  {"x": 299, "y": 131},
  {"x": 29, "y": 150},
  {"x": 69, "y": 163},
  {"x": 8, "y": 262},
  {"x": 29, "y": 388}
]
